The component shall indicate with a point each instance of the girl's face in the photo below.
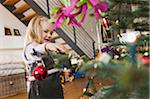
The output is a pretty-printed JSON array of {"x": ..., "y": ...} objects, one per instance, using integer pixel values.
[{"x": 47, "y": 32}]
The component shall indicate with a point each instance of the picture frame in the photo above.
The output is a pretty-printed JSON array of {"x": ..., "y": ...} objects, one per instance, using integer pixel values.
[
  {"x": 7, "y": 31},
  {"x": 17, "y": 32}
]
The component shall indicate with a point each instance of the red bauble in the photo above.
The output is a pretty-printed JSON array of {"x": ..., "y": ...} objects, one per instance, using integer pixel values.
[
  {"x": 145, "y": 60},
  {"x": 40, "y": 72}
]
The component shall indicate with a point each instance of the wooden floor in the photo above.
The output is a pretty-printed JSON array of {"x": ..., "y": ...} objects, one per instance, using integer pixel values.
[{"x": 72, "y": 90}]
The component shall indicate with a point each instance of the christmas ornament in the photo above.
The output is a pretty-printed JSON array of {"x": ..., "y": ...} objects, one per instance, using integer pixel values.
[
  {"x": 106, "y": 23},
  {"x": 40, "y": 72},
  {"x": 111, "y": 50},
  {"x": 145, "y": 60}
]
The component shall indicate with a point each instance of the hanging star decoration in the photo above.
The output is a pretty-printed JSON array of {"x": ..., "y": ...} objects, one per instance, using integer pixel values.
[{"x": 75, "y": 13}]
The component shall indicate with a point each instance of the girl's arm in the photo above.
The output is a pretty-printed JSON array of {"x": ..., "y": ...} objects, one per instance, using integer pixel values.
[
  {"x": 45, "y": 47},
  {"x": 40, "y": 48},
  {"x": 50, "y": 46},
  {"x": 56, "y": 47}
]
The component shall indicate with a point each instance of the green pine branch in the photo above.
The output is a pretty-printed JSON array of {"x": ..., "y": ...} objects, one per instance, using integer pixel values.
[
  {"x": 129, "y": 80},
  {"x": 61, "y": 59},
  {"x": 121, "y": 10}
]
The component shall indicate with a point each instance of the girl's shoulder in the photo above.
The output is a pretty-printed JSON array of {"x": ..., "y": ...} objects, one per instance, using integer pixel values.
[{"x": 31, "y": 45}]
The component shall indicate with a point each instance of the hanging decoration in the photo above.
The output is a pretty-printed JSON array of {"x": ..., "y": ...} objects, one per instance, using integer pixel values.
[
  {"x": 40, "y": 72},
  {"x": 106, "y": 23},
  {"x": 74, "y": 12},
  {"x": 111, "y": 50},
  {"x": 61, "y": 13}
]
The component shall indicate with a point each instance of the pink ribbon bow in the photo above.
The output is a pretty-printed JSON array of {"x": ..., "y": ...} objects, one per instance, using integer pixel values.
[
  {"x": 64, "y": 13},
  {"x": 99, "y": 7},
  {"x": 82, "y": 9}
]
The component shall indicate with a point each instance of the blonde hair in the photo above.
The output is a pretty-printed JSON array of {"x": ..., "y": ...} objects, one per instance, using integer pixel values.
[{"x": 34, "y": 30}]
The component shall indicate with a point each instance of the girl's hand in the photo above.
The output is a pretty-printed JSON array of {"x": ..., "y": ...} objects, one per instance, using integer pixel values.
[
  {"x": 50, "y": 46},
  {"x": 61, "y": 48},
  {"x": 56, "y": 47}
]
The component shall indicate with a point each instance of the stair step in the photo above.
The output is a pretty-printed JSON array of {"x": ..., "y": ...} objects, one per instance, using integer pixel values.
[
  {"x": 63, "y": 43},
  {"x": 21, "y": 9},
  {"x": 10, "y": 2},
  {"x": 67, "y": 46},
  {"x": 69, "y": 49},
  {"x": 19, "y": 15},
  {"x": 55, "y": 37},
  {"x": 29, "y": 17}
]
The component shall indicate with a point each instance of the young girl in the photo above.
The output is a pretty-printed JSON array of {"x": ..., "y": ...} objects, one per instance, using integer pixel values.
[{"x": 37, "y": 43}]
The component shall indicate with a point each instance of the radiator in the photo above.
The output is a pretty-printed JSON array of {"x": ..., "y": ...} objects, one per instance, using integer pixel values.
[{"x": 12, "y": 85}]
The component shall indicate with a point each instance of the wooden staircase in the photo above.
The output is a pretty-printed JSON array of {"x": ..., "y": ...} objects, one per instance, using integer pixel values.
[
  {"x": 19, "y": 8},
  {"x": 25, "y": 13}
]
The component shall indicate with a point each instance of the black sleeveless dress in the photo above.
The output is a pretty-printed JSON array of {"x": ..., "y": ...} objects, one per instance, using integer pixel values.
[{"x": 50, "y": 88}]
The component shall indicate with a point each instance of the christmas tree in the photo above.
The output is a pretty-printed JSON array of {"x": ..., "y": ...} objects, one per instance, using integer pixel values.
[
  {"x": 128, "y": 74},
  {"x": 129, "y": 14}
]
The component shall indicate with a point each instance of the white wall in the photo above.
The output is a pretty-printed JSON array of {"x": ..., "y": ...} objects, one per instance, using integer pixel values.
[{"x": 10, "y": 46}]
